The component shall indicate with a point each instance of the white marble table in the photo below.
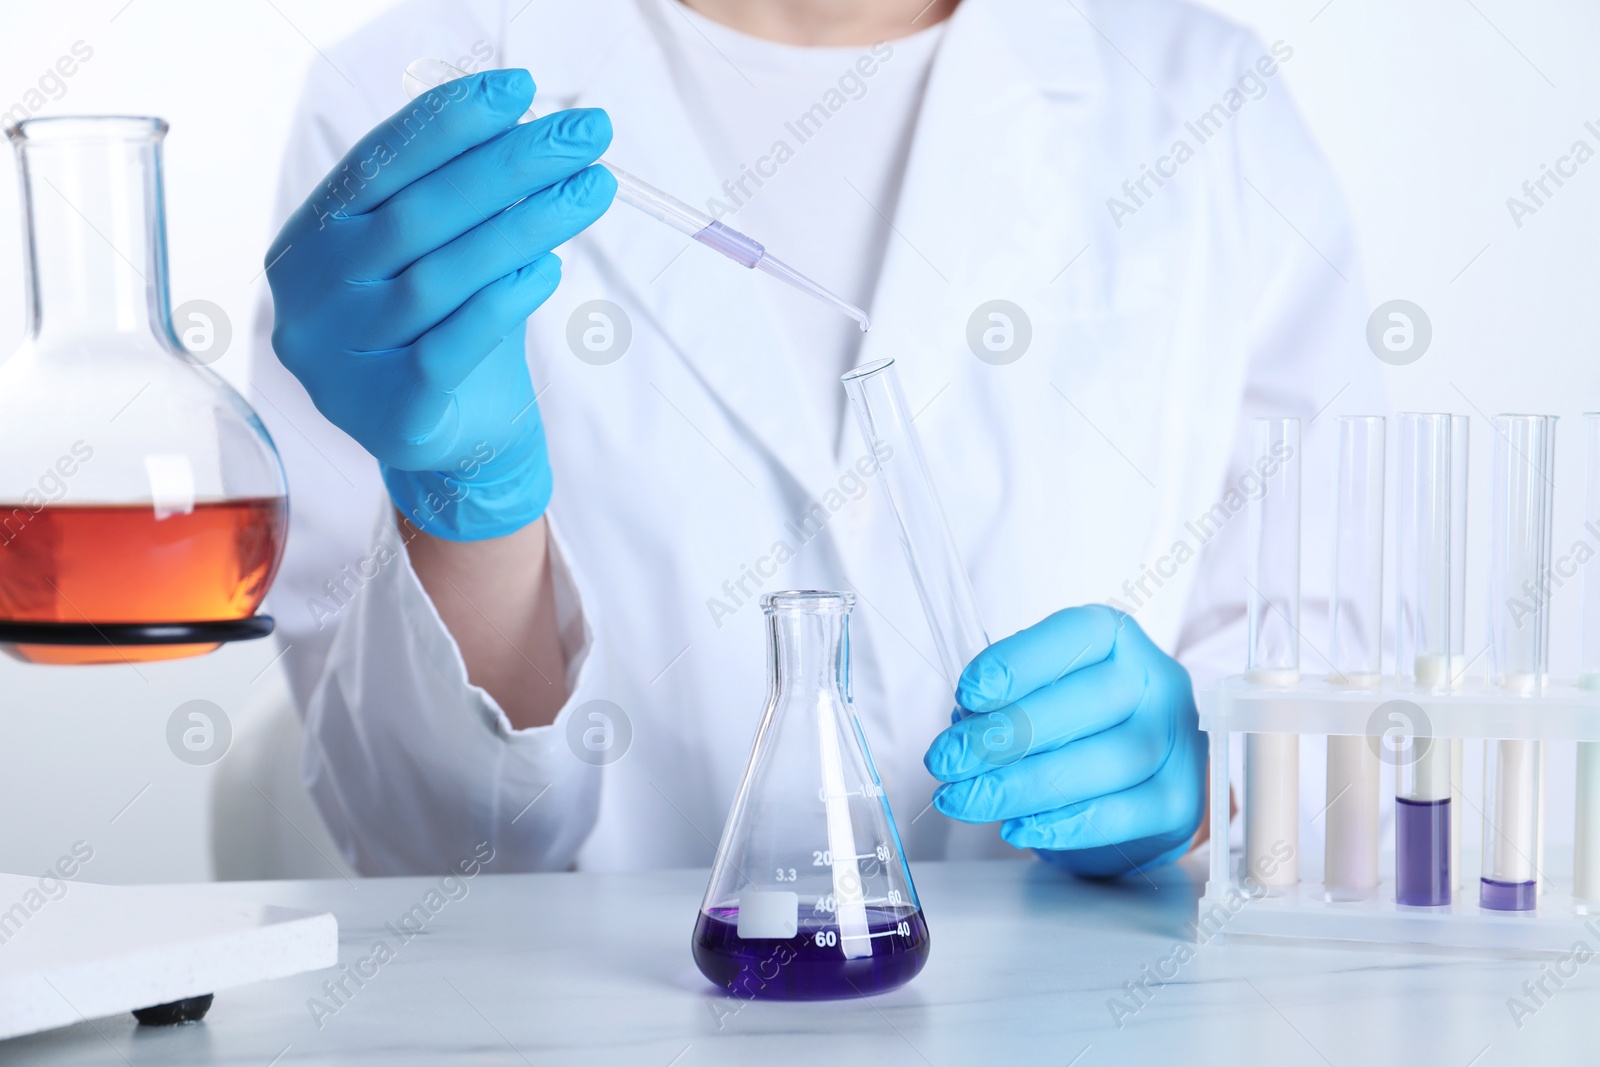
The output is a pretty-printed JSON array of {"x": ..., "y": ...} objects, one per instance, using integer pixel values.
[{"x": 595, "y": 970}]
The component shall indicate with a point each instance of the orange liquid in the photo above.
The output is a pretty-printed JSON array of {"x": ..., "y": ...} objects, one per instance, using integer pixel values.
[{"x": 119, "y": 563}]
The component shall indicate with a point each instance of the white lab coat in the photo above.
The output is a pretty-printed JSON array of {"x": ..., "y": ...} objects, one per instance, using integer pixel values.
[{"x": 1229, "y": 291}]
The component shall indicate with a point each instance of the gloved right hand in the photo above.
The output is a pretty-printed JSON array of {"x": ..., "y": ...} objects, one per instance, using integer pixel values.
[{"x": 402, "y": 285}]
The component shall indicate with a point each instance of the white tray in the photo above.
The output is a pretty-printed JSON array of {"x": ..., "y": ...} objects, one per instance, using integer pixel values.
[{"x": 74, "y": 950}]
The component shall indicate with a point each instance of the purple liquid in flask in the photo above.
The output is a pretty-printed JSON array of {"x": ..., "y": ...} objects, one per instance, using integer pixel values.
[{"x": 812, "y": 965}]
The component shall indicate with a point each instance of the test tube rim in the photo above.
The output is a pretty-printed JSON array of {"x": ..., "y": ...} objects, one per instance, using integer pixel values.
[{"x": 867, "y": 370}]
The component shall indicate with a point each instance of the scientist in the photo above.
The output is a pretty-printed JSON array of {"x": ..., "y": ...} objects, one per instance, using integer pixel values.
[{"x": 536, "y": 500}]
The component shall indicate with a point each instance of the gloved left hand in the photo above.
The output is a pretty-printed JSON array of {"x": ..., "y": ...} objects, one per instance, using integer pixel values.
[{"x": 1082, "y": 736}]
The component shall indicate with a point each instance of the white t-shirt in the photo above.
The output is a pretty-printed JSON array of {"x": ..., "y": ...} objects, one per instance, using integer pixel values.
[{"x": 811, "y": 144}]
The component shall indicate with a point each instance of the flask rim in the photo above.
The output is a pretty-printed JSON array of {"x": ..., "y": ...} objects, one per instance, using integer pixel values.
[
  {"x": 807, "y": 600},
  {"x": 55, "y": 129}
]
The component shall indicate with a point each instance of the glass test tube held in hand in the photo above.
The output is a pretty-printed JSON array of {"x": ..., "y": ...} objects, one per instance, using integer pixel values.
[
  {"x": 936, "y": 568},
  {"x": 1519, "y": 641},
  {"x": 1586, "y": 839},
  {"x": 1356, "y": 654},
  {"x": 1423, "y": 614},
  {"x": 1272, "y": 761}
]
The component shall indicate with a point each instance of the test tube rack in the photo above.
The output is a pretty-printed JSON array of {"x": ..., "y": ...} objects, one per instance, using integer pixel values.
[{"x": 1235, "y": 904}]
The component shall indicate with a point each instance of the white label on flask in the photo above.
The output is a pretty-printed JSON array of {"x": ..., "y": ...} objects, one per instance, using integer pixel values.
[
  {"x": 769, "y": 913},
  {"x": 171, "y": 484}
]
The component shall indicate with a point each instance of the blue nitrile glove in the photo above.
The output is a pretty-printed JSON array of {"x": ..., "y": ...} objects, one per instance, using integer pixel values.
[
  {"x": 1082, "y": 736},
  {"x": 401, "y": 287}
]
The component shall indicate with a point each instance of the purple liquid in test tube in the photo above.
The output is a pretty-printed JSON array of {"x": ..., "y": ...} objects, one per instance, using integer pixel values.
[{"x": 1422, "y": 852}]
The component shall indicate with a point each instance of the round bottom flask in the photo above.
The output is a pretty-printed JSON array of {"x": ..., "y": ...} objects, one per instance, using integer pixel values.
[
  {"x": 142, "y": 505},
  {"x": 810, "y": 896}
]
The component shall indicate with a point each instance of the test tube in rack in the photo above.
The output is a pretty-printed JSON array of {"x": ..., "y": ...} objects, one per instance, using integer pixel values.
[
  {"x": 1423, "y": 572},
  {"x": 1272, "y": 761},
  {"x": 1460, "y": 431},
  {"x": 1519, "y": 635},
  {"x": 1586, "y": 834},
  {"x": 1355, "y": 651}
]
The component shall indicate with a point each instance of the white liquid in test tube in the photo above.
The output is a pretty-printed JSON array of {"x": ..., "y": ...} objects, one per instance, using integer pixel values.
[
  {"x": 1586, "y": 832},
  {"x": 1272, "y": 761},
  {"x": 1272, "y": 819},
  {"x": 1586, "y": 840},
  {"x": 1350, "y": 861}
]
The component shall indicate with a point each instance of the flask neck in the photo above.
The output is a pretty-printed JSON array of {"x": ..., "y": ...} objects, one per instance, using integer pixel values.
[
  {"x": 94, "y": 227},
  {"x": 810, "y": 652}
]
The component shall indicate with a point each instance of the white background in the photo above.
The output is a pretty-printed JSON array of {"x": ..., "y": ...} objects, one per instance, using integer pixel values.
[{"x": 1433, "y": 112}]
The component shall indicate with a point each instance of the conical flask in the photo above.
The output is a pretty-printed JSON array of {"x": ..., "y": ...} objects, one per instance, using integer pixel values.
[
  {"x": 810, "y": 895},
  {"x": 142, "y": 504}
]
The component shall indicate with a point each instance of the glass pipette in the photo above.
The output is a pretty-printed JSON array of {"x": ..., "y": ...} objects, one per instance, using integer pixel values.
[{"x": 425, "y": 74}]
